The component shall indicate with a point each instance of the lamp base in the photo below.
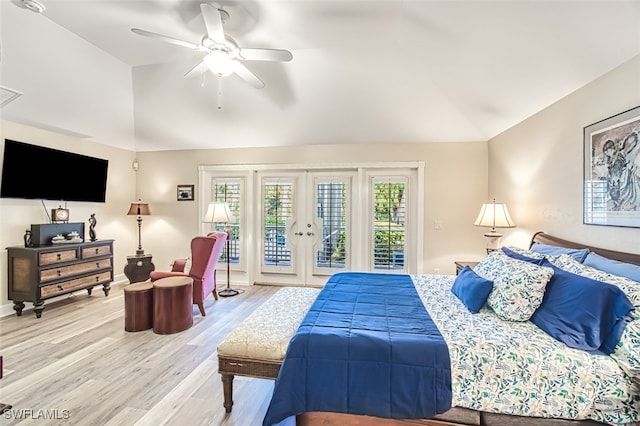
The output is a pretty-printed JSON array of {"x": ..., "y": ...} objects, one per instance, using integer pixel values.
[
  {"x": 139, "y": 252},
  {"x": 493, "y": 241},
  {"x": 228, "y": 292}
]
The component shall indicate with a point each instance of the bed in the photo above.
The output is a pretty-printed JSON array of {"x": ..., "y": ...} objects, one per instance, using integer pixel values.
[{"x": 493, "y": 371}]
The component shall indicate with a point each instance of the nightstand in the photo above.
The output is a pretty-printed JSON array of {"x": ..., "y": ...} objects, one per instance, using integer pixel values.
[{"x": 462, "y": 263}]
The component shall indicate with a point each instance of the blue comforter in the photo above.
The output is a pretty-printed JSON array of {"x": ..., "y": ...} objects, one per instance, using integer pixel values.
[{"x": 367, "y": 346}]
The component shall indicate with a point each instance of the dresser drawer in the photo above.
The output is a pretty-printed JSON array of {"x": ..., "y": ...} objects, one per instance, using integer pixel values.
[
  {"x": 94, "y": 251},
  {"x": 76, "y": 269},
  {"x": 53, "y": 257},
  {"x": 76, "y": 284}
]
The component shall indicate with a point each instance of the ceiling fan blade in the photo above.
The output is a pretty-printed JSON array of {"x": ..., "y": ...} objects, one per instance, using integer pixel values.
[
  {"x": 245, "y": 74},
  {"x": 213, "y": 22},
  {"x": 166, "y": 38},
  {"x": 197, "y": 70},
  {"x": 279, "y": 55}
]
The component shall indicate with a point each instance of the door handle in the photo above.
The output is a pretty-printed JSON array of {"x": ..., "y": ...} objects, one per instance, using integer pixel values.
[
  {"x": 309, "y": 233},
  {"x": 299, "y": 233}
]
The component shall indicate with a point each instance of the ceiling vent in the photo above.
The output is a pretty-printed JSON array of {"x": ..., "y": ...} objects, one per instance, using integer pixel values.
[{"x": 7, "y": 95}]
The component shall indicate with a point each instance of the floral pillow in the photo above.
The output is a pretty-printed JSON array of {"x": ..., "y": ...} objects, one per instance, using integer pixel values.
[
  {"x": 518, "y": 286},
  {"x": 510, "y": 250}
]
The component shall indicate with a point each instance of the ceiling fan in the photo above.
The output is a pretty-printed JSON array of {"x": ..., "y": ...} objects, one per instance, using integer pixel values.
[{"x": 223, "y": 55}]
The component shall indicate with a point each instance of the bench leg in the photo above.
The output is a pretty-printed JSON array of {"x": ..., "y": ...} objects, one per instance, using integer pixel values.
[{"x": 227, "y": 388}]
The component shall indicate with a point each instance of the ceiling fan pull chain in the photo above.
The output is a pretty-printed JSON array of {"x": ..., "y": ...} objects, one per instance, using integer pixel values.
[{"x": 219, "y": 92}]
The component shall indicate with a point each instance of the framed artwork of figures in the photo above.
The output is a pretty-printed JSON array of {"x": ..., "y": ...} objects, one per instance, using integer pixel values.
[{"x": 612, "y": 170}]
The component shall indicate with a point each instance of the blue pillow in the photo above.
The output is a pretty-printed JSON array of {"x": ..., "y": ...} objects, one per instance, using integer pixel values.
[
  {"x": 615, "y": 267},
  {"x": 471, "y": 289},
  {"x": 515, "y": 255},
  {"x": 577, "y": 254},
  {"x": 581, "y": 312}
]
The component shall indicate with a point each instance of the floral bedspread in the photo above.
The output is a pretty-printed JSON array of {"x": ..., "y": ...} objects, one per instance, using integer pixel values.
[{"x": 515, "y": 368}]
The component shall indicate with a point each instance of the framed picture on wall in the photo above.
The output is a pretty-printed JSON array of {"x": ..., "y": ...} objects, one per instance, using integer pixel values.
[
  {"x": 185, "y": 192},
  {"x": 612, "y": 170}
]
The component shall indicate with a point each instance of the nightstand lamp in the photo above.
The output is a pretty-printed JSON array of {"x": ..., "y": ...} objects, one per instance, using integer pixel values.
[{"x": 494, "y": 215}]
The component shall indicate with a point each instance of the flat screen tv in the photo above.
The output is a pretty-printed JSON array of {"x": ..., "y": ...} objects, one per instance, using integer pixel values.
[{"x": 36, "y": 172}]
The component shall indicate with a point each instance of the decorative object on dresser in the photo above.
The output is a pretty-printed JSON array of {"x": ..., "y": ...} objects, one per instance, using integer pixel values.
[
  {"x": 138, "y": 268},
  {"x": 40, "y": 273},
  {"x": 140, "y": 209},
  {"x": 60, "y": 215},
  {"x": 92, "y": 227},
  {"x": 45, "y": 234},
  {"x": 494, "y": 215},
  {"x": 220, "y": 213}
]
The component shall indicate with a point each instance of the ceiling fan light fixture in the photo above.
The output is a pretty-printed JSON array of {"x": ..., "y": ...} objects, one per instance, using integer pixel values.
[
  {"x": 33, "y": 5},
  {"x": 219, "y": 63}
]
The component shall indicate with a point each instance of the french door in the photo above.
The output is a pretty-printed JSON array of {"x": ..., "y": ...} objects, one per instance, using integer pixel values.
[
  {"x": 299, "y": 225},
  {"x": 304, "y": 220}
]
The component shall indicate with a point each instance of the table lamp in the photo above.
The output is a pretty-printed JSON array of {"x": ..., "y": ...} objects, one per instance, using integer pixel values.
[{"x": 494, "y": 215}]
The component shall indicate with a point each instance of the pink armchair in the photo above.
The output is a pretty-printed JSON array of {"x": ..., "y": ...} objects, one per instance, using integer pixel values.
[{"x": 205, "y": 252}]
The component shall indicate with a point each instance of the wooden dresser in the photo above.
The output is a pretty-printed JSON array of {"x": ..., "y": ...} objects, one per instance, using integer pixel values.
[{"x": 40, "y": 273}]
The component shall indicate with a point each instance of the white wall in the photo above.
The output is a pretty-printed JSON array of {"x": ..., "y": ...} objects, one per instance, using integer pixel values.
[
  {"x": 536, "y": 166},
  {"x": 69, "y": 86},
  {"x": 17, "y": 215},
  {"x": 455, "y": 187}
]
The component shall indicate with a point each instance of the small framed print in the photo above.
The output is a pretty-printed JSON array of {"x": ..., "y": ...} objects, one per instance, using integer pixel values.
[{"x": 185, "y": 192}]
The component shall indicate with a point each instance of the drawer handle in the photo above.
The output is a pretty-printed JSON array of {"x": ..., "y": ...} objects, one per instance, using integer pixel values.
[
  {"x": 97, "y": 279},
  {"x": 97, "y": 251},
  {"x": 97, "y": 265},
  {"x": 58, "y": 256},
  {"x": 59, "y": 272},
  {"x": 60, "y": 287}
]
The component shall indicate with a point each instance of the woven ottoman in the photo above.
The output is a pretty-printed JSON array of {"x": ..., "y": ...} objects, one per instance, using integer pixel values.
[
  {"x": 172, "y": 305},
  {"x": 256, "y": 346},
  {"x": 138, "y": 306}
]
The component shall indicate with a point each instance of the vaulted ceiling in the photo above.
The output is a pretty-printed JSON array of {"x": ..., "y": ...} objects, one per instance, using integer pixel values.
[{"x": 363, "y": 71}]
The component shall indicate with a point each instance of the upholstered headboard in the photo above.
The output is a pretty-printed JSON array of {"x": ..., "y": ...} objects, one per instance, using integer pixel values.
[{"x": 541, "y": 237}]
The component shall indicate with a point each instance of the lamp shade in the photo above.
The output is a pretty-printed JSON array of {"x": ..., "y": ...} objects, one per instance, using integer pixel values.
[
  {"x": 139, "y": 208},
  {"x": 218, "y": 213},
  {"x": 494, "y": 215}
]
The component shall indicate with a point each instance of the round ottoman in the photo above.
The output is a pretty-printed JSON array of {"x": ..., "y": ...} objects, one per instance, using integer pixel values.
[
  {"x": 138, "y": 306},
  {"x": 172, "y": 304}
]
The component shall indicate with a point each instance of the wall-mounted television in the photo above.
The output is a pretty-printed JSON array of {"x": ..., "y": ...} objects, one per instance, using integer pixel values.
[{"x": 36, "y": 172}]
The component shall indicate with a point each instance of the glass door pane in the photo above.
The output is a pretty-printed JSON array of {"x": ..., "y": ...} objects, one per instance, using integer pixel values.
[
  {"x": 277, "y": 214},
  {"x": 389, "y": 224},
  {"x": 331, "y": 249}
]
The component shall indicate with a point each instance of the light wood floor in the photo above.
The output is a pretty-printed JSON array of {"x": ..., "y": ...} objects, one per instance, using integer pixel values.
[{"x": 78, "y": 362}]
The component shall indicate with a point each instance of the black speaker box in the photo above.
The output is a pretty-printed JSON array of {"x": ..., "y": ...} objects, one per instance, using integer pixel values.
[{"x": 42, "y": 233}]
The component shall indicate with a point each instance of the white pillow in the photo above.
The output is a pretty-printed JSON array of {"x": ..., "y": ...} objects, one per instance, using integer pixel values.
[{"x": 187, "y": 265}]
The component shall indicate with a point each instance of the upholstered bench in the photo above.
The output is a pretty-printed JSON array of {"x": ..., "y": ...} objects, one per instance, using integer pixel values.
[{"x": 256, "y": 346}]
